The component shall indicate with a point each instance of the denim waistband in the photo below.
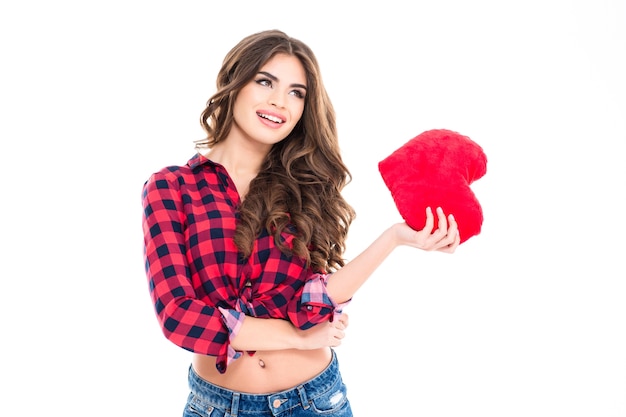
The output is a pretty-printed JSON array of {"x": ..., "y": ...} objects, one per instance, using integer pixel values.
[{"x": 210, "y": 395}]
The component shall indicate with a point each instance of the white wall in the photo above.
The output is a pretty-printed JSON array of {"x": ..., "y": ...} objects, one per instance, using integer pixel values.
[{"x": 528, "y": 318}]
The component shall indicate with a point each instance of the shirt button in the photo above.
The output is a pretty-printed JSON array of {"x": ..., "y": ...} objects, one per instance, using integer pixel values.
[
  {"x": 309, "y": 308},
  {"x": 276, "y": 403}
]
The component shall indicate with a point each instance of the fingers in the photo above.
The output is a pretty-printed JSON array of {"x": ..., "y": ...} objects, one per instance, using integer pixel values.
[
  {"x": 457, "y": 239},
  {"x": 446, "y": 236},
  {"x": 340, "y": 326},
  {"x": 328, "y": 333},
  {"x": 337, "y": 334},
  {"x": 342, "y": 321},
  {"x": 452, "y": 246},
  {"x": 340, "y": 334},
  {"x": 452, "y": 239},
  {"x": 441, "y": 231},
  {"x": 430, "y": 220},
  {"x": 442, "y": 223}
]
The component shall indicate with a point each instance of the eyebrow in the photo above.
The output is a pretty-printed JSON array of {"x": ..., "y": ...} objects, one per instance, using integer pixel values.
[{"x": 274, "y": 78}]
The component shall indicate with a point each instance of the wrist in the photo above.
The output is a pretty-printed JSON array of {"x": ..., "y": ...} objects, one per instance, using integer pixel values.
[
  {"x": 392, "y": 236},
  {"x": 292, "y": 335}
]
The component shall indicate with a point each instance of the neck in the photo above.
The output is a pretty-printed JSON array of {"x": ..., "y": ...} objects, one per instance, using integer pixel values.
[{"x": 238, "y": 160}]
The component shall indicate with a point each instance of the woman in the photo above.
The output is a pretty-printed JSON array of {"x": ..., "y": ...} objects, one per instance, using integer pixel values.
[{"x": 244, "y": 243}]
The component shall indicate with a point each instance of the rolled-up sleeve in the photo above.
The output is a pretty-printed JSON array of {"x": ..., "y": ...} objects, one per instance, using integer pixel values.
[
  {"x": 314, "y": 305},
  {"x": 233, "y": 320}
]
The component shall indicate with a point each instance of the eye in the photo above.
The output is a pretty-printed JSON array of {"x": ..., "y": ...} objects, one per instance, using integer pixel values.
[
  {"x": 264, "y": 81},
  {"x": 298, "y": 93}
]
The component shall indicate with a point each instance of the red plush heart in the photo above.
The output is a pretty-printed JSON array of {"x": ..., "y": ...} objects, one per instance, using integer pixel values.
[{"x": 435, "y": 169}]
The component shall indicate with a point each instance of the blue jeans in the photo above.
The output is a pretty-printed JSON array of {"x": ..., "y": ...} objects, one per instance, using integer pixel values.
[{"x": 324, "y": 395}]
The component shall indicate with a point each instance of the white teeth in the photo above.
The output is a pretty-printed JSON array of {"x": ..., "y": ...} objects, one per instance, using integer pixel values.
[{"x": 272, "y": 118}]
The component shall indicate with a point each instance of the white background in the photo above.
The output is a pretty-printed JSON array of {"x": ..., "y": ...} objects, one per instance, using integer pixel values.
[{"x": 526, "y": 319}]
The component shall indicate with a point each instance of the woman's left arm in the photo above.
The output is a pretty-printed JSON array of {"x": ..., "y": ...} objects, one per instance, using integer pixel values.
[{"x": 343, "y": 284}]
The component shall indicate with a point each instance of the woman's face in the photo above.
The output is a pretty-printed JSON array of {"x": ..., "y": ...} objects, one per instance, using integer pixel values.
[{"x": 269, "y": 106}]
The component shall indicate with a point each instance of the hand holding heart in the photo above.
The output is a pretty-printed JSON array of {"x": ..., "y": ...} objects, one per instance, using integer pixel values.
[{"x": 435, "y": 169}]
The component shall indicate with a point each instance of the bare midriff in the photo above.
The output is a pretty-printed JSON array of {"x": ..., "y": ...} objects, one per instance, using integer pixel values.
[{"x": 265, "y": 371}]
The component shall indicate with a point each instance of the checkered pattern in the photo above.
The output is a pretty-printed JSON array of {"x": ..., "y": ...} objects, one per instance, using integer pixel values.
[{"x": 194, "y": 269}]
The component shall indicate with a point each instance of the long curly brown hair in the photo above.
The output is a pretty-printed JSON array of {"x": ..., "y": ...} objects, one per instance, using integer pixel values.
[{"x": 298, "y": 189}]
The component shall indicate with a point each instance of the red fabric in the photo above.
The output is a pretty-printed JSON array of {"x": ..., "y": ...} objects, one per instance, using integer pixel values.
[{"x": 435, "y": 169}]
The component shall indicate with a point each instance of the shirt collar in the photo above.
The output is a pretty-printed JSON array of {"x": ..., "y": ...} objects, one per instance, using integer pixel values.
[{"x": 199, "y": 159}]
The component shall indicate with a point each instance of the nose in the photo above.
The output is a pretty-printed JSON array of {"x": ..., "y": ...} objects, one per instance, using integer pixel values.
[{"x": 276, "y": 99}]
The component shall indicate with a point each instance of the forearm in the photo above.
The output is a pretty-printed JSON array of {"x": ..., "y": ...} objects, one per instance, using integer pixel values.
[
  {"x": 265, "y": 334},
  {"x": 344, "y": 283}
]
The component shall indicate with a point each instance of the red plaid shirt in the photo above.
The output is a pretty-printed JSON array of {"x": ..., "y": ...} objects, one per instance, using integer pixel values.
[{"x": 200, "y": 286}]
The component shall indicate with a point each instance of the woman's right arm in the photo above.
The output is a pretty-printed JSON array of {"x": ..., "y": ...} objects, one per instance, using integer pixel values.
[
  {"x": 184, "y": 319},
  {"x": 187, "y": 321}
]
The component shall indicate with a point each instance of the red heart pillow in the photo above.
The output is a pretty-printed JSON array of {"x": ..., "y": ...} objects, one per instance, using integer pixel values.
[{"x": 435, "y": 169}]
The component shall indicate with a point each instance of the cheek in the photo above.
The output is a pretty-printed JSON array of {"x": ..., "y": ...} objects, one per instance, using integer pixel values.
[{"x": 298, "y": 112}]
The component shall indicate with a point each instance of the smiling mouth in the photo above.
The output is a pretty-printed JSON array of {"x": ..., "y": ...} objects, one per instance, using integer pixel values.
[{"x": 271, "y": 118}]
